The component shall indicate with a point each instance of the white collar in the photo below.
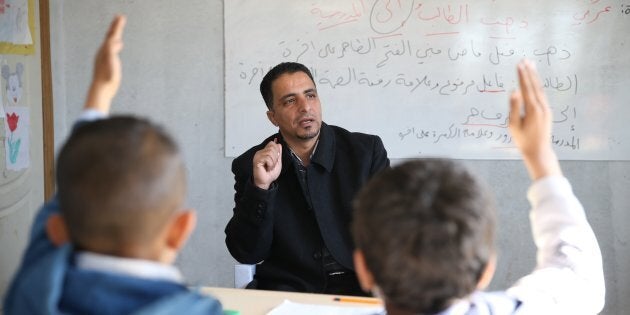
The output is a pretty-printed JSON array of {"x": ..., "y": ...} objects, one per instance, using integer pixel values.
[
  {"x": 138, "y": 268},
  {"x": 459, "y": 307}
]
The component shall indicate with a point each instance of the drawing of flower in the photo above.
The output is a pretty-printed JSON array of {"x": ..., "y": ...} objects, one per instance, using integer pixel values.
[
  {"x": 14, "y": 146},
  {"x": 12, "y": 120}
]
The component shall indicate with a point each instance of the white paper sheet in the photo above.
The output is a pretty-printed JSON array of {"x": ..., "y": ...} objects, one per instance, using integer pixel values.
[
  {"x": 291, "y": 308},
  {"x": 14, "y": 22}
]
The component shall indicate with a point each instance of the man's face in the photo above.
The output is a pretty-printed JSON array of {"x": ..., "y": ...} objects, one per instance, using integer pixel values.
[{"x": 296, "y": 108}]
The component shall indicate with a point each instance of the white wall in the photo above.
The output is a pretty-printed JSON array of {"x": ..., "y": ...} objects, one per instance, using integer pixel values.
[{"x": 173, "y": 73}]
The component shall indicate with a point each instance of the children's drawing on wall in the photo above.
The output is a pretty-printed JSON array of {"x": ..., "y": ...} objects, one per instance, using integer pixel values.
[
  {"x": 16, "y": 138},
  {"x": 14, "y": 22},
  {"x": 13, "y": 87},
  {"x": 16, "y": 119}
]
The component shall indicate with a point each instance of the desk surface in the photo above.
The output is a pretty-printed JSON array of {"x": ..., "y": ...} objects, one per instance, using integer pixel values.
[{"x": 255, "y": 302}]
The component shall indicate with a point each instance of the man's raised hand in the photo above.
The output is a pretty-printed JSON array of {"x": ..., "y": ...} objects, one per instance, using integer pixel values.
[{"x": 267, "y": 164}]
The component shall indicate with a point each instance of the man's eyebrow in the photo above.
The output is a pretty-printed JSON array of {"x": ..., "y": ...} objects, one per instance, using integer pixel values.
[
  {"x": 287, "y": 96},
  {"x": 310, "y": 90}
]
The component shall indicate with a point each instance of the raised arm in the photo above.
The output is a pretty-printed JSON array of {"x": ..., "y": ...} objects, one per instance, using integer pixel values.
[
  {"x": 530, "y": 124},
  {"x": 107, "y": 69},
  {"x": 568, "y": 278},
  {"x": 45, "y": 234},
  {"x": 249, "y": 233}
]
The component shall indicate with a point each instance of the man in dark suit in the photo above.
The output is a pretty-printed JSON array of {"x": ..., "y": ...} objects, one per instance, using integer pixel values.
[{"x": 294, "y": 191}]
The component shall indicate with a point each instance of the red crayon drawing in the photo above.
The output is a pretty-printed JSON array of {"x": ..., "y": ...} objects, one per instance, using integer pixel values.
[{"x": 12, "y": 121}]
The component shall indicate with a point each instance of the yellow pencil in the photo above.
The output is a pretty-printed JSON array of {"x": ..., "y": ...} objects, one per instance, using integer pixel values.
[{"x": 358, "y": 300}]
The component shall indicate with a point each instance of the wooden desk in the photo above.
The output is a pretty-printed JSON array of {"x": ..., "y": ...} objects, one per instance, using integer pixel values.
[{"x": 258, "y": 302}]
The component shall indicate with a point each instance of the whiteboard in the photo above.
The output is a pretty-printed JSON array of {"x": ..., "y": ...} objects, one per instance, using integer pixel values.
[{"x": 432, "y": 78}]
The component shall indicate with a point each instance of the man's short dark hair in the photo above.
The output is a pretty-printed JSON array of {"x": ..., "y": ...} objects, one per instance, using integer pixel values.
[
  {"x": 426, "y": 229},
  {"x": 119, "y": 182},
  {"x": 274, "y": 73}
]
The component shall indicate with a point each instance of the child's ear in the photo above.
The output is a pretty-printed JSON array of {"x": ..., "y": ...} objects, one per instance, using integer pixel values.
[
  {"x": 366, "y": 279},
  {"x": 56, "y": 230},
  {"x": 182, "y": 226},
  {"x": 488, "y": 273}
]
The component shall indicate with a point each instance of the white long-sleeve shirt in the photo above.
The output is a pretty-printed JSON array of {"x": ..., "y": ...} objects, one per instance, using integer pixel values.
[
  {"x": 569, "y": 275},
  {"x": 568, "y": 278}
]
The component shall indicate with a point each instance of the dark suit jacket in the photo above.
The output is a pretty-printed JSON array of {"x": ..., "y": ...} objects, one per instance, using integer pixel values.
[{"x": 277, "y": 227}]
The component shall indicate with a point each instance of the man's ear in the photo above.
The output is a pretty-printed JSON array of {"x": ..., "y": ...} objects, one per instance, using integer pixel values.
[
  {"x": 56, "y": 230},
  {"x": 180, "y": 229},
  {"x": 272, "y": 118},
  {"x": 366, "y": 279}
]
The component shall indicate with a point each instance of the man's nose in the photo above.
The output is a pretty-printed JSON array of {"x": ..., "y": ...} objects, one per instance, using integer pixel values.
[{"x": 305, "y": 105}]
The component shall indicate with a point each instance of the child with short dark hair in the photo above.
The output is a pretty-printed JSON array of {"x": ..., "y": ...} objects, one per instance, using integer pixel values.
[
  {"x": 106, "y": 243},
  {"x": 424, "y": 231}
]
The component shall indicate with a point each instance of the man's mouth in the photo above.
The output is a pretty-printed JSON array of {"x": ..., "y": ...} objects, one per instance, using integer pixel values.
[{"x": 306, "y": 122}]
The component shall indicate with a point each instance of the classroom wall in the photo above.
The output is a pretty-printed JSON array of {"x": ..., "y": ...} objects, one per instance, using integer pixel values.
[
  {"x": 22, "y": 191},
  {"x": 173, "y": 72}
]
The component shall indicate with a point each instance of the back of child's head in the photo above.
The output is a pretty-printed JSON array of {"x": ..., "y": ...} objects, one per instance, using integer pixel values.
[
  {"x": 119, "y": 182},
  {"x": 426, "y": 230}
]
